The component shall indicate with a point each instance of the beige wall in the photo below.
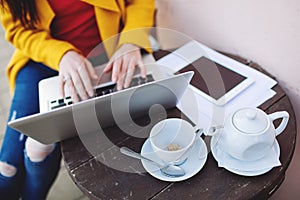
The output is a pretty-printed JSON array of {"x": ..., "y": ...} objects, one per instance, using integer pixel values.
[{"x": 267, "y": 32}]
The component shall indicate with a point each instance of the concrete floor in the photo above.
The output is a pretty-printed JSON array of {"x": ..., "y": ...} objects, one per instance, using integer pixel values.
[{"x": 65, "y": 189}]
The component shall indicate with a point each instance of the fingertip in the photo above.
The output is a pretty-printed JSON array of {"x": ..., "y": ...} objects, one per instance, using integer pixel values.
[
  {"x": 143, "y": 73},
  {"x": 107, "y": 67},
  {"x": 95, "y": 76},
  {"x": 84, "y": 97},
  {"x": 91, "y": 92},
  {"x": 75, "y": 98},
  {"x": 126, "y": 85},
  {"x": 114, "y": 79},
  {"x": 127, "y": 80},
  {"x": 142, "y": 69},
  {"x": 119, "y": 87}
]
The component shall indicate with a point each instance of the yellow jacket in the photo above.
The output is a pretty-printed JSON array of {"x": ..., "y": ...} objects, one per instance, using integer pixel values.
[{"x": 39, "y": 46}]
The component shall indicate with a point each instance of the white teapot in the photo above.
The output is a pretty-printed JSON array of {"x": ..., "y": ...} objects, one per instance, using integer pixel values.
[{"x": 249, "y": 133}]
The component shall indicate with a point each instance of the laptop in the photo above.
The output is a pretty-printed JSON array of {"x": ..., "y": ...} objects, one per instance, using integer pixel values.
[{"x": 60, "y": 119}]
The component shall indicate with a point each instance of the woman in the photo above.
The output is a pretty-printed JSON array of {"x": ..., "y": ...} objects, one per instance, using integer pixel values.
[{"x": 53, "y": 38}]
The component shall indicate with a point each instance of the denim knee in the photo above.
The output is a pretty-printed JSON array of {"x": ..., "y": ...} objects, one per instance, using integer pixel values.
[
  {"x": 7, "y": 170},
  {"x": 37, "y": 151}
]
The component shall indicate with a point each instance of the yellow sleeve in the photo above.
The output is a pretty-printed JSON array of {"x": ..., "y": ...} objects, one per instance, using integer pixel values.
[
  {"x": 38, "y": 44},
  {"x": 139, "y": 18}
]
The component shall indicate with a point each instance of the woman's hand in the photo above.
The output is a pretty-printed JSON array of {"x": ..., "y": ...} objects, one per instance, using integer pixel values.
[
  {"x": 123, "y": 64},
  {"x": 75, "y": 73}
]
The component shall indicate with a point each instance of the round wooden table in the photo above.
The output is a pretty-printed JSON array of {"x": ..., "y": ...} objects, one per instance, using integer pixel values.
[{"x": 97, "y": 180}]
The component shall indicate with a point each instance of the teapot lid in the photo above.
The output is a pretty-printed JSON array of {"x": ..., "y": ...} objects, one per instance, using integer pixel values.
[{"x": 250, "y": 120}]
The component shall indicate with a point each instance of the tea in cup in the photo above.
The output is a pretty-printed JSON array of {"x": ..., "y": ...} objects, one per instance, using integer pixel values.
[{"x": 171, "y": 138}]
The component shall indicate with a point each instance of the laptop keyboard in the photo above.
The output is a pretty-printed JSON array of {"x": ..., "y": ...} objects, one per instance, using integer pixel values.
[{"x": 100, "y": 91}]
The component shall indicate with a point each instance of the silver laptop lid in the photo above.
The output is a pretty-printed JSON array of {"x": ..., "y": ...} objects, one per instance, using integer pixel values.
[{"x": 100, "y": 112}]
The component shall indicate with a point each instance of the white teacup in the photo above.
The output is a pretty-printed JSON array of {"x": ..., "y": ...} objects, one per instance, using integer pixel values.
[
  {"x": 249, "y": 133},
  {"x": 171, "y": 139}
]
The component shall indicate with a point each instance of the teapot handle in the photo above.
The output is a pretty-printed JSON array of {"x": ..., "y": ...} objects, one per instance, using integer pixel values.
[{"x": 285, "y": 118}]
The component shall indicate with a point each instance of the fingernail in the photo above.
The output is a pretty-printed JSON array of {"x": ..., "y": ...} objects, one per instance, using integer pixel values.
[
  {"x": 119, "y": 87},
  {"x": 126, "y": 85},
  {"x": 105, "y": 69},
  {"x": 84, "y": 97},
  {"x": 91, "y": 93},
  {"x": 75, "y": 99}
]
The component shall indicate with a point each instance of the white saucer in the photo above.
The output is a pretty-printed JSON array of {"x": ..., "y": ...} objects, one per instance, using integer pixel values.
[
  {"x": 276, "y": 149},
  {"x": 192, "y": 166}
]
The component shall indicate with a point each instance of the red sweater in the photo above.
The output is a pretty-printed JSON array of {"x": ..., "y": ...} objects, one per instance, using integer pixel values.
[{"x": 75, "y": 22}]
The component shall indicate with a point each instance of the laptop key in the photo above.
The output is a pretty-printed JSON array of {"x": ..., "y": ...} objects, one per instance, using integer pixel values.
[
  {"x": 60, "y": 101},
  {"x": 149, "y": 78},
  {"x": 58, "y": 106},
  {"x": 134, "y": 82}
]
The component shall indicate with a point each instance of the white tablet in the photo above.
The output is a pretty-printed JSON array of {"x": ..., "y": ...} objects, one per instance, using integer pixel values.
[{"x": 216, "y": 82}]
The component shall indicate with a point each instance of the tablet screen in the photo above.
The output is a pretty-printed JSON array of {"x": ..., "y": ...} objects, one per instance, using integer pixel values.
[{"x": 212, "y": 78}]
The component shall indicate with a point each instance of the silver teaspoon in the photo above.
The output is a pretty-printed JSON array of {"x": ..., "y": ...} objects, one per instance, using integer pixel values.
[{"x": 168, "y": 170}]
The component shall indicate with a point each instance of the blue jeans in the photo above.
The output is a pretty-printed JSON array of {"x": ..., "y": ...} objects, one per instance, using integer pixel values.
[{"x": 33, "y": 179}]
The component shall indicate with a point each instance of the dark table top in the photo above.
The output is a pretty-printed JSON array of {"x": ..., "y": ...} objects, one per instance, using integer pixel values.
[{"x": 101, "y": 172}]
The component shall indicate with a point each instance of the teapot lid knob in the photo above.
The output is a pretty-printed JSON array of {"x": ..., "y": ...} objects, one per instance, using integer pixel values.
[{"x": 250, "y": 114}]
